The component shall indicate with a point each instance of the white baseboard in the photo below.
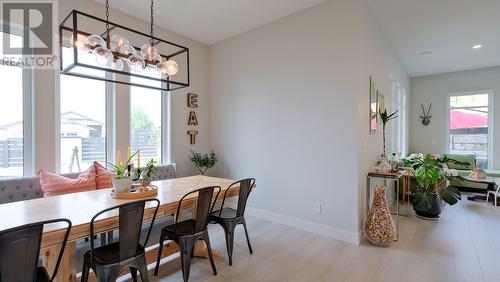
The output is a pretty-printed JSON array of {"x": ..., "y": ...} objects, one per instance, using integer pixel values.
[{"x": 324, "y": 230}]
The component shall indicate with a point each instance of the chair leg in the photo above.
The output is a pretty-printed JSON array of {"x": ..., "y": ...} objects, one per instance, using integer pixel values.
[
  {"x": 107, "y": 275},
  {"x": 162, "y": 238},
  {"x": 143, "y": 271},
  {"x": 206, "y": 238},
  {"x": 487, "y": 197},
  {"x": 133, "y": 273},
  {"x": 495, "y": 199},
  {"x": 85, "y": 273},
  {"x": 229, "y": 231},
  {"x": 186, "y": 245},
  {"x": 246, "y": 234}
]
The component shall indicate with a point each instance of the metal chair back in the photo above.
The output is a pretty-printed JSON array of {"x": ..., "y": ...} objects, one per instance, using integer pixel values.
[
  {"x": 245, "y": 187},
  {"x": 20, "y": 251},
  {"x": 130, "y": 222},
  {"x": 204, "y": 206}
]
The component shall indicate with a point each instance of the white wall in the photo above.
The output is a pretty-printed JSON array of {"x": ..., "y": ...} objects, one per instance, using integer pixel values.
[
  {"x": 380, "y": 62},
  {"x": 435, "y": 89},
  {"x": 47, "y": 107},
  {"x": 289, "y": 105}
]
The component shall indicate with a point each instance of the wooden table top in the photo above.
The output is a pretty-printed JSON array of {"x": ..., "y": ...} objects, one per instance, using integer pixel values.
[
  {"x": 81, "y": 207},
  {"x": 487, "y": 180}
]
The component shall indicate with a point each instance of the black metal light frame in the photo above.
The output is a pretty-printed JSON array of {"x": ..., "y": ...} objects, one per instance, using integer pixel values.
[{"x": 167, "y": 84}]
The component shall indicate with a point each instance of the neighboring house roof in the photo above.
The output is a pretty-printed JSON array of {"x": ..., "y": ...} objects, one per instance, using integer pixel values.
[
  {"x": 73, "y": 117},
  {"x": 69, "y": 117}
]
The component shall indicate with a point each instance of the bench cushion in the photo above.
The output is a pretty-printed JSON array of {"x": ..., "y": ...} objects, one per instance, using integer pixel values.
[{"x": 27, "y": 188}]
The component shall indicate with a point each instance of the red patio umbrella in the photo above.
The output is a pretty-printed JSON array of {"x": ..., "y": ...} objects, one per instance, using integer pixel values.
[{"x": 460, "y": 119}]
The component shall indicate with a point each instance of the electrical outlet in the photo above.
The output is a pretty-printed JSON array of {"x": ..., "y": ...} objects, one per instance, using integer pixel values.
[{"x": 317, "y": 208}]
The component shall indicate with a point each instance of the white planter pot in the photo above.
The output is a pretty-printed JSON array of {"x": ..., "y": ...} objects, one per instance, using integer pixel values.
[{"x": 122, "y": 185}]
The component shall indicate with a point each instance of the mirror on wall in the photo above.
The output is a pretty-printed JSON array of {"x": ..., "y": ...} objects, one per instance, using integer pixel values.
[{"x": 373, "y": 107}]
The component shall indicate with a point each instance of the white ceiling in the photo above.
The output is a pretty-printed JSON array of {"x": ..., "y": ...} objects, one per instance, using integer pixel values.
[
  {"x": 448, "y": 28},
  {"x": 211, "y": 21}
]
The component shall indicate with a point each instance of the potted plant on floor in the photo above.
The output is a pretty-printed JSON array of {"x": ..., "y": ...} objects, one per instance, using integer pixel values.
[
  {"x": 203, "y": 161},
  {"x": 122, "y": 179},
  {"x": 432, "y": 183}
]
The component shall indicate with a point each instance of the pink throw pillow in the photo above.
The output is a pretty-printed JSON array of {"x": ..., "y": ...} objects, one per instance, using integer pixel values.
[
  {"x": 54, "y": 184},
  {"x": 104, "y": 177}
]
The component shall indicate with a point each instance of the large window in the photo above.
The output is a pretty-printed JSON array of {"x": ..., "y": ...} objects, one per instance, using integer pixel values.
[
  {"x": 15, "y": 99},
  {"x": 468, "y": 127},
  {"x": 145, "y": 122},
  {"x": 82, "y": 122}
]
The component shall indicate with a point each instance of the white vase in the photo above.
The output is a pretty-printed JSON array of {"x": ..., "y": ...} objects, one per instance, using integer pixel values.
[{"x": 122, "y": 185}]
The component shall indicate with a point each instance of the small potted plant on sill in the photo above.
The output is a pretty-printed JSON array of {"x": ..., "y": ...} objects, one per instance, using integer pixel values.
[
  {"x": 147, "y": 173},
  {"x": 432, "y": 183},
  {"x": 122, "y": 179},
  {"x": 203, "y": 161}
]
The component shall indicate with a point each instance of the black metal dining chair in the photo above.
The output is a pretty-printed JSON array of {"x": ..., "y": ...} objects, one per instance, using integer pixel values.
[
  {"x": 20, "y": 252},
  {"x": 127, "y": 253},
  {"x": 229, "y": 218},
  {"x": 186, "y": 233}
]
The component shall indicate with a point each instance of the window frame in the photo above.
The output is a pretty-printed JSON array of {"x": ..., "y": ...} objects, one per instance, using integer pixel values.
[
  {"x": 164, "y": 123},
  {"x": 109, "y": 100},
  {"x": 28, "y": 116},
  {"x": 490, "y": 94}
]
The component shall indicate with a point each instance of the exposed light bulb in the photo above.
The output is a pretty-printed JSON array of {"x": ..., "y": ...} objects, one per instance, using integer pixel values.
[
  {"x": 169, "y": 67},
  {"x": 130, "y": 52},
  {"x": 96, "y": 40},
  {"x": 103, "y": 56},
  {"x": 172, "y": 67},
  {"x": 120, "y": 44},
  {"x": 136, "y": 63},
  {"x": 117, "y": 65},
  {"x": 81, "y": 43},
  {"x": 149, "y": 52}
]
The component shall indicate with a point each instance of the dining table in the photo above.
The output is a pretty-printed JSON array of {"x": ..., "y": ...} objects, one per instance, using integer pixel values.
[{"x": 82, "y": 206}]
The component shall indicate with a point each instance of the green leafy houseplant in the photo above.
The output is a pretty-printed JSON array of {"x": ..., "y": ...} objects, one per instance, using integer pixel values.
[
  {"x": 122, "y": 182},
  {"x": 432, "y": 181},
  {"x": 120, "y": 169},
  {"x": 203, "y": 161},
  {"x": 385, "y": 117},
  {"x": 150, "y": 170}
]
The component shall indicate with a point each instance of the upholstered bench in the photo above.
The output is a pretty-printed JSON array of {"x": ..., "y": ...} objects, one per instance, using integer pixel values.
[{"x": 26, "y": 188}]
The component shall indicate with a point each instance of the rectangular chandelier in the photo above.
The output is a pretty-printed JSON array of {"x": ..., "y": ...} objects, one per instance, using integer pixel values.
[{"x": 94, "y": 48}]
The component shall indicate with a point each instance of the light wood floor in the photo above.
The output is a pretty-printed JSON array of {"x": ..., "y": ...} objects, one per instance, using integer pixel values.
[{"x": 464, "y": 245}]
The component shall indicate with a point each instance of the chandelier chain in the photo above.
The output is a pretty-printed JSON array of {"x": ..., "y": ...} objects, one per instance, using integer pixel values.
[
  {"x": 152, "y": 22},
  {"x": 107, "y": 16}
]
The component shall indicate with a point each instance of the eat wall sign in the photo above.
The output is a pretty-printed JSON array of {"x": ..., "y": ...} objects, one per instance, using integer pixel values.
[{"x": 192, "y": 103}]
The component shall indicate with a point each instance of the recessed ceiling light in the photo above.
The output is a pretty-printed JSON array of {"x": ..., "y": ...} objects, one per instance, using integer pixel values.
[
  {"x": 477, "y": 46},
  {"x": 428, "y": 52}
]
